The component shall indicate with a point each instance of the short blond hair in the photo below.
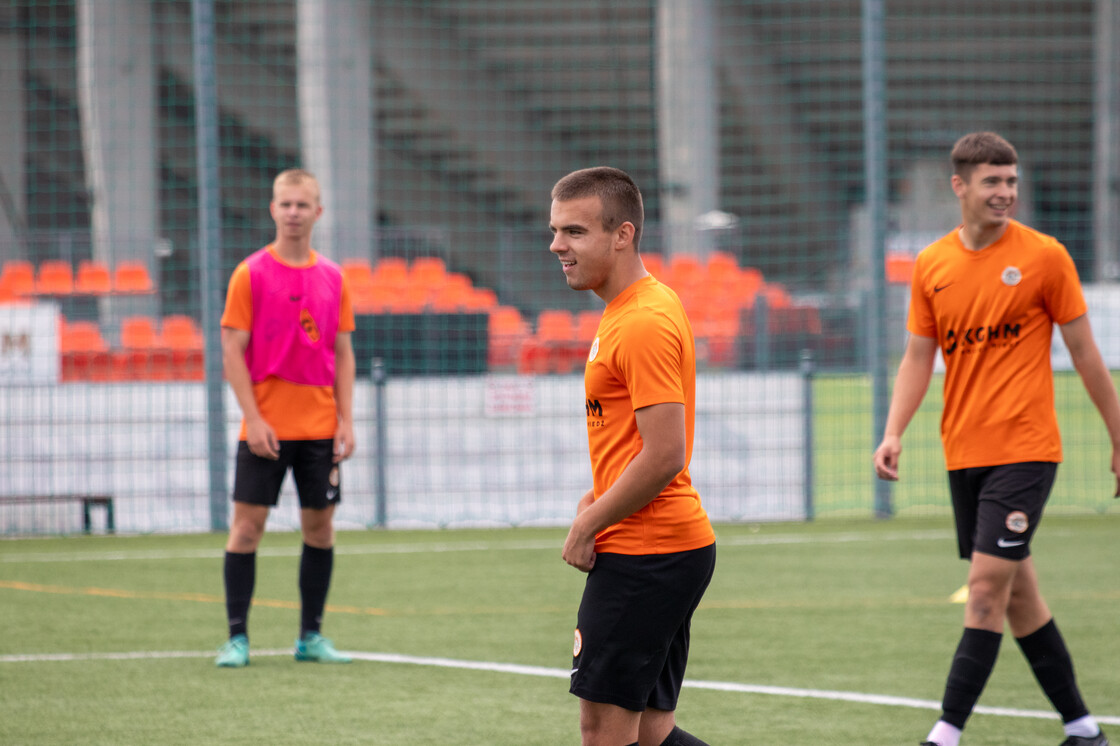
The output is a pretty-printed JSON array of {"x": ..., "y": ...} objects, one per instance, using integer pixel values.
[{"x": 294, "y": 177}]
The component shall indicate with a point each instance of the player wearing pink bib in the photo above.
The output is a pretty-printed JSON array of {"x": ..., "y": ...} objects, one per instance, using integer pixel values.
[{"x": 288, "y": 358}]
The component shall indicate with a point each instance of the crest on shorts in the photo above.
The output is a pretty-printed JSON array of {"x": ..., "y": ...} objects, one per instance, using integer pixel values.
[
  {"x": 577, "y": 648},
  {"x": 594, "y": 350},
  {"x": 1011, "y": 276},
  {"x": 1017, "y": 521}
]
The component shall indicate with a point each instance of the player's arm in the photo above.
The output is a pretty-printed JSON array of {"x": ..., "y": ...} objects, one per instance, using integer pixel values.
[
  {"x": 1083, "y": 350},
  {"x": 663, "y": 454},
  {"x": 910, "y": 385},
  {"x": 260, "y": 436},
  {"x": 585, "y": 501},
  {"x": 344, "y": 373}
]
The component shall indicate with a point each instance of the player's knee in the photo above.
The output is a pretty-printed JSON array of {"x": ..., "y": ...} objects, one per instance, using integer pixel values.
[
  {"x": 245, "y": 536},
  {"x": 319, "y": 535},
  {"x": 987, "y": 600}
]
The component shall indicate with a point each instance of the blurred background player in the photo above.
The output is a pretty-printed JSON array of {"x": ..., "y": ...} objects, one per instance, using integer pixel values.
[
  {"x": 640, "y": 533},
  {"x": 288, "y": 357},
  {"x": 988, "y": 295}
]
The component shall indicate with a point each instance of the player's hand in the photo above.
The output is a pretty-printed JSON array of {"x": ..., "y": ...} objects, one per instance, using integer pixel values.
[
  {"x": 1116, "y": 471},
  {"x": 579, "y": 548},
  {"x": 886, "y": 458},
  {"x": 343, "y": 441},
  {"x": 262, "y": 439}
]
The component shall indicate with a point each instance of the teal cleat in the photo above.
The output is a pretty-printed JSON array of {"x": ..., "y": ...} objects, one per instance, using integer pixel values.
[
  {"x": 235, "y": 653},
  {"x": 314, "y": 647}
]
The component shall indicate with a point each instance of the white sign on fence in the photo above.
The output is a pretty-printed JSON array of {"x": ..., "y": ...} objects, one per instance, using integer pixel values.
[{"x": 29, "y": 343}]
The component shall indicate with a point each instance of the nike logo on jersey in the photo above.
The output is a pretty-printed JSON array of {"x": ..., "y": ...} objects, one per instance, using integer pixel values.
[
  {"x": 294, "y": 298},
  {"x": 939, "y": 288},
  {"x": 1005, "y": 544}
]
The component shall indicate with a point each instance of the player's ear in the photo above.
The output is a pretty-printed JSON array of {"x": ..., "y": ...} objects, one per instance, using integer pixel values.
[
  {"x": 624, "y": 235},
  {"x": 958, "y": 183}
]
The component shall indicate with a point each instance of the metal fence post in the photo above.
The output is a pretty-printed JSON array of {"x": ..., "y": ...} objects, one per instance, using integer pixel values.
[
  {"x": 379, "y": 377},
  {"x": 209, "y": 253},
  {"x": 875, "y": 178},
  {"x": 808, "y": 369},
  {"x": 761, "y": 333}
]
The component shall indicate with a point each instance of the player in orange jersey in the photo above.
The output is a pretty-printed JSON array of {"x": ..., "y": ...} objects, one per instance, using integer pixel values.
[
  {"x": 287, "y": 355},
  {"x": 640, "y": 533},
  {"x": 987, "y": 295}
]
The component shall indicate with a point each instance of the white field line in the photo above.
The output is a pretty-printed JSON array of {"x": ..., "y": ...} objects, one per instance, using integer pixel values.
[
  {"x": 557, "y": 673},
  {"x": 495, "y": 546}
]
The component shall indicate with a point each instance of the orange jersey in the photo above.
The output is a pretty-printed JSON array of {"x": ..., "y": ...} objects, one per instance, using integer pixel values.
[
  {"x": 295, "y": 411},
  {"x": 643, "y": 354},
  {"x": 993, "y": 312}
]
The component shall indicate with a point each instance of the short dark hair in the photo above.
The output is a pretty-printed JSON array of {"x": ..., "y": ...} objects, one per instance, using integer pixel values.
[
  {"x": 977, "y": 148},
  {"x": 621, "y": 198}
]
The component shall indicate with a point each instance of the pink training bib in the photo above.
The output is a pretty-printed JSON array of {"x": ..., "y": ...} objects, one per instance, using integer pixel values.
[{"x": 295, "y": 319}]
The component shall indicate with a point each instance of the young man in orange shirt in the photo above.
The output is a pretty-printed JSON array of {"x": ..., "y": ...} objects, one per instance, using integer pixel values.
[
  {"x": 640, "y": 533},
  {"x": 287, "y": 356},
  {"x": 987, "y": 295}
]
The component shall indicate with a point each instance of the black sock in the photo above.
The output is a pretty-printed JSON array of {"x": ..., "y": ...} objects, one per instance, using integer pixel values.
[
  {"x": 972, "y": 665},
  {"x": 240, "y": 573},
  {"x": 315, "y": 567},
  {"x": 1053, "y": 667},
  {"x": 678, "y": 737}
]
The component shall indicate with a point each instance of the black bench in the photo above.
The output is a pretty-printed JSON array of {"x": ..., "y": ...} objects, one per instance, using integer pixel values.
[{"x": 87, "y": 501}]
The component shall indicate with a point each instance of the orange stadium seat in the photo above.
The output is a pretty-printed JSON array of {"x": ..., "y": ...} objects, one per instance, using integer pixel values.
[
  {"x": 748, "y": 283},
  {"x": 685, "y": 270},
  {"x": 654, "y": 264},
  {"x": 183, "y": 337},
  {"x": 93, "y": 278},
  {"x": 481, "y": 299},
  {"x": 452, "y": 298},
  {"x": 139, "y": 333},
  {"x": 508, "y": 331},
  {"x": 84, "y": 336},
  {"x": 776, "y": 295},
  {"x": 552, "y": 348},
  {"x": 391, "y": 271},
  {"x": 720, "y": 263},
  {"x": 587, "y": 325},
  {"x": 406, "y": 299},
  {"x": 132, "y": 278},
  {"x": 83, "y": 351},
  {"x": 180, "y": 332},
  {"x": 18, "y": 277},
  {"x": 427, "y": 270},
  {"x": 55, "y": 277},
  {"x": 358, "y": 274},
  {"x": 368, "y": 299},
  {"x": 142, "y": 356},
  {"x": 899, "y": 267}
]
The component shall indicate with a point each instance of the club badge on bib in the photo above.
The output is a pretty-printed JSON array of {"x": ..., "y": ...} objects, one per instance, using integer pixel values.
[{"x": 1011, "y": 276}]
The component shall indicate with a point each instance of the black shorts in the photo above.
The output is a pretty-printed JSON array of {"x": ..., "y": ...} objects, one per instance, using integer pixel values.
[
  {"x": 318, "y": 478},
  {"x": 632, "y": 637},
  {"x": 997, "y": 508}
]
